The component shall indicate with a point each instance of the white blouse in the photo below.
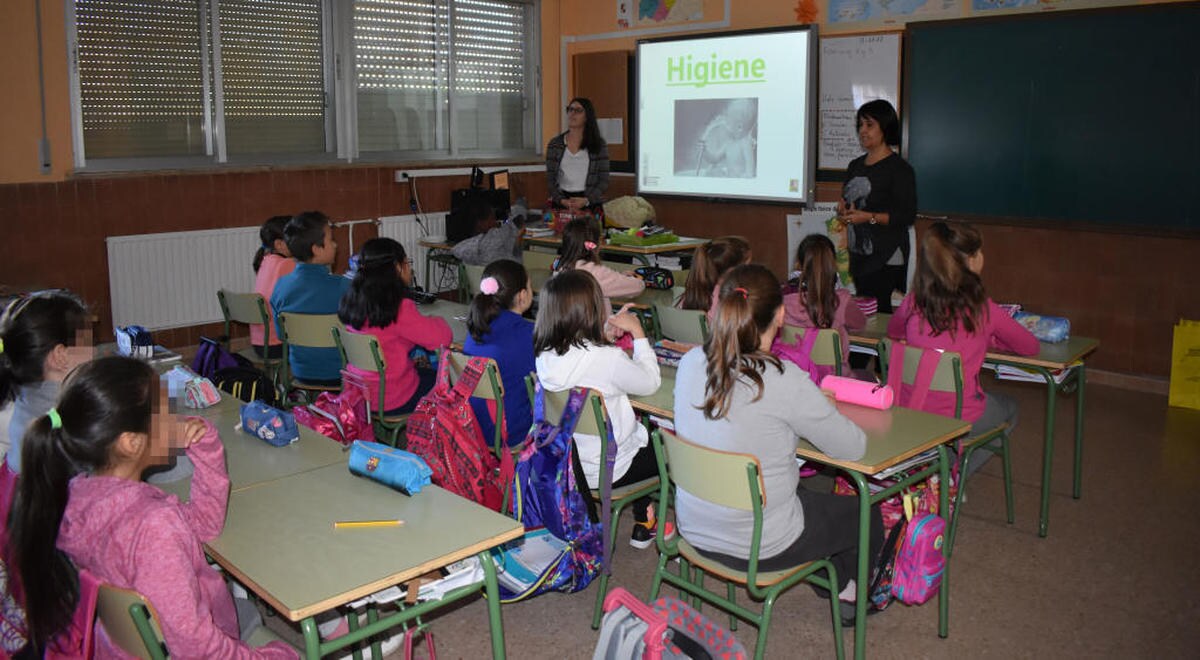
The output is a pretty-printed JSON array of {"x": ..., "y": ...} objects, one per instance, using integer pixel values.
[{"x": 573, "y": 170}]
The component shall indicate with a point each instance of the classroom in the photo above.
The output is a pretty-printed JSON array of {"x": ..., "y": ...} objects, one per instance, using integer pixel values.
[{"x": 1124, "y": 280}]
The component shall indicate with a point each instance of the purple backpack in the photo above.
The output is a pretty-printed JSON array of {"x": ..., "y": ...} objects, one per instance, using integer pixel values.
[
  {"x": 919, "y": 563},
  {"x": 212, "y": 357},
  {"x": 801, "y": 354}
]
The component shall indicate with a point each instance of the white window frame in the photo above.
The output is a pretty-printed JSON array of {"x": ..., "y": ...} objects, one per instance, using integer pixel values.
[{"x": 341, "y": 104}]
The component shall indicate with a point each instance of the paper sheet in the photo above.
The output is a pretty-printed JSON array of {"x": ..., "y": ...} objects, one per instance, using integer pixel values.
[{"x": 611, "y": 129}]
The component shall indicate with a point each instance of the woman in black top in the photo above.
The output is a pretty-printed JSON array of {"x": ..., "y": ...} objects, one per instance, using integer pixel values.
[
  {"x": 577, "y": 160},
  {"x": 879, "y": 204}
]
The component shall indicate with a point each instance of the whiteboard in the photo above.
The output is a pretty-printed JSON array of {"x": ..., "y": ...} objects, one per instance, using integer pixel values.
[{"x": 854, "y": 70}]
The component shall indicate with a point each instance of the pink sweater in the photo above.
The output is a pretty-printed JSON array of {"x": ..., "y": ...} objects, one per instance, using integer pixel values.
[
  {"x": 613, "y": 283},
  {"x": 270, "y": 270},
  {"x": 134, "y": 536},
  {"x": 847, "y": 317},
  {"x": 396, "y": 341},
  {"x": 998, "y": 331}
]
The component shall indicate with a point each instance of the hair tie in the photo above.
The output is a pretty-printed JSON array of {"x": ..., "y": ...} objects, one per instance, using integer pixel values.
[
  {"x": 589, "y": 245},
  {"x": 742, "y": 292},
  {"x": 489, "y": 286},
  {"x": 55, "y": 419}
]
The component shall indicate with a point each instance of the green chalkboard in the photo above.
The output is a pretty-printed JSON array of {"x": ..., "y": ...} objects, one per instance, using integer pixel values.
[{"x": 1089, "y": 116}]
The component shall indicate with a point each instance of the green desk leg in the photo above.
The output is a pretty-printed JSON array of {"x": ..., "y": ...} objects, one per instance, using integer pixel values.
[
  {"x": 944, "y": 508},
  {"x": 1047, "y": 451},
  {"x": 492, "y": 593},
  {"x": 428, "y": 268},
  {"x": 863, "y": 577},
  {"x": 1081, "y": 385},
  {"x": 312, "y": 640}
]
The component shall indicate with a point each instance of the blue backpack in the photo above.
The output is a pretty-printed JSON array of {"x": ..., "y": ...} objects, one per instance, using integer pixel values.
[{"x": 563, "y": 547}]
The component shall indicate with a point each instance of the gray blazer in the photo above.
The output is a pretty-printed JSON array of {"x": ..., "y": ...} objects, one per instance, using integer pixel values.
[{"x": 597, "y": 176}]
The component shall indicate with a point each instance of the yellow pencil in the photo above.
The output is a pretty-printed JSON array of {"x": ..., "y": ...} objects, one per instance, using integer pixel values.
[{"x": 355, "y": 524}]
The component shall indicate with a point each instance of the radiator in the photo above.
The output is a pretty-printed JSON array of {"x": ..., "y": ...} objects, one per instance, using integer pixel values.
[
  {"x": 171, "y": 280},
  {"x": 404, "y": 228}
]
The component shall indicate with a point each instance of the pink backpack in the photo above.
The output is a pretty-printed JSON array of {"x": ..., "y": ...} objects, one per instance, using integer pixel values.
[
  {"x": 919, "y": 563},
  {"x": 801, "y": 354}
]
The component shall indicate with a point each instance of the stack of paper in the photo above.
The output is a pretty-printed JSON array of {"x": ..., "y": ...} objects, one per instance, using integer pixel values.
[{"x": 1007, "y": 372}]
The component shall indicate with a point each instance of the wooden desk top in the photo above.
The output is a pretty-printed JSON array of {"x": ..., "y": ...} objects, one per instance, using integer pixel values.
[
  {"x": 1050, "y": 356},
  {"x": 279, "y": 538},
  {"x": 892, "y": 435},
  {"x": 684, "y": 244}
]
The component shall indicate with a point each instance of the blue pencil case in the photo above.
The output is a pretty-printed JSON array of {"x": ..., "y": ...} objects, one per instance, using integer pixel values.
[
  {"x": 271, "y": 425},
  {"x": 395, "y": 468},
  {"x": 1050, "y": 329}
]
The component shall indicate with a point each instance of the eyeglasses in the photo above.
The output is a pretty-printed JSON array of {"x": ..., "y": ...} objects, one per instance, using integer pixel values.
[{"x": 574, "y": 109}]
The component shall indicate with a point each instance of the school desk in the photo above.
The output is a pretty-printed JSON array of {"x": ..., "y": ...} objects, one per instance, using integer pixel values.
[
  {"x": 439, "y": 252},
  {"x": 892, "y": 436},
  {"x": 639, "y": 252},
  {"x": 1066, "y": 355},
  {"x": 279, "y": 541},
  {"x": 251, "y": 461},
  {"x": 454, "y": 313}
]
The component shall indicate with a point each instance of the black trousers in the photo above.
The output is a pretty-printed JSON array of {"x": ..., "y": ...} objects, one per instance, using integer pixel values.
[
  {"x": 830, "y": 530},
  {"x": 880, "y": 284},
  {"x": 644, "y": 466}
]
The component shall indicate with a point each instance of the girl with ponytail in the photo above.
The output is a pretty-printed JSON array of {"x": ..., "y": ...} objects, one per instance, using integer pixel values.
[
  {"x": 272, "y": 261},
  {"x": 581, "y": 249},
  {"x": 81, "y": 504},
  {"x": 379, "y": 303},
  {"x": 819, "y": 303},
  {"x": 949, "y": 310},
  {"x": 731, "y": 394},
  {"x": 497, "y": 330},
  {"x": 709, "y": 262}
]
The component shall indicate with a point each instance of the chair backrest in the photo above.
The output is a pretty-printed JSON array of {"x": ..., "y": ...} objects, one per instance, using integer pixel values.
[
  {"x": 712, "y": 475},
  {"x": 360, "y": 350},
  {"x": 489, "y": 388},
  {"x": 827, "y": 350},
  {"x": 592, "y": 424},
  {"x": 689, "y": 326},
  {"x": 540, "y": 266},
  {"x": 242, "y": 307},
  {"x": 308, "y": 330},
  {"x": 472, "y": 275},
  {"x": 947, "y": 374},
  {"x": 131, "y": 622}
]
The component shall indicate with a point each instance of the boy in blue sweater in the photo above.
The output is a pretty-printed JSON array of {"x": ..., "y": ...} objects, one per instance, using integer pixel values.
[{"x": 311, "y": 289}]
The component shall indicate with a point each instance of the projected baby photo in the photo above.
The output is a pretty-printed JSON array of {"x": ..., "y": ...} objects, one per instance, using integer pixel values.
[{"x": 716, "y": 138}]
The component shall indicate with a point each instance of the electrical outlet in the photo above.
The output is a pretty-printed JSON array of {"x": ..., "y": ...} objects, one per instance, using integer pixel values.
[{"x": 401, "y": 176}]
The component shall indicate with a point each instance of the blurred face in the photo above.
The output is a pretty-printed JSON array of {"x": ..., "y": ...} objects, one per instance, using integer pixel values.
[
  {"x": 326, "y": 252},
  {"x": 164, "y": 431},
  {"x": 576, "y": 115},
  {"x": 280, "y": 248},
  {"x": 524, "y": 299},
  {"x": 870, "y": 135},
  {"x": 405, "y": 271}
]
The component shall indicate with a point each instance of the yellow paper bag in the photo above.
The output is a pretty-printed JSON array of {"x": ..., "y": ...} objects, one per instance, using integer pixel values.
[{"x": 1185, "y": 366}]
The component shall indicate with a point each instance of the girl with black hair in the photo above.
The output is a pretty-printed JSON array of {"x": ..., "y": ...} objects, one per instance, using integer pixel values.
[
  {"x": 581, "y": 249},
  {"x": 379, "y": 303},
  {"x": 577, "y": 160},
  {"x": 81, "y": 504},
  {"x": 272, "y": 261},
  {"x": 497, "y": 330}
]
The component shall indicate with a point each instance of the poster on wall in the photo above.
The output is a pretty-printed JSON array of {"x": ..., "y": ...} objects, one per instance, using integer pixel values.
[
  {"x": 860, "y": 14},
  {"x": 649, "y": 13},
  {"x": 996, "y": 7}
]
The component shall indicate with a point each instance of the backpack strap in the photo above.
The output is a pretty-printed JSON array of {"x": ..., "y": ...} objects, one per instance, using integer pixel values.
[{"x": 926, "y": 368}]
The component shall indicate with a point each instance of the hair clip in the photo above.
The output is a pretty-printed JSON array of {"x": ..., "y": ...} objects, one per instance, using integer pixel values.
[
  {"x": 489, "y": 286},
  {"x": 742, "y": 292},
  {"x": 55, "y": 419},
  {"x": 589, "y": 245}
]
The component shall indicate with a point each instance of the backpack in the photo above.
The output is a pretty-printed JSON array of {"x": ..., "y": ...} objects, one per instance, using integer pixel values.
[
  {"x": 551, "y": 497},
  {"x": 344, "y": 417},
  {"x": 246, "y": 383},
  {"x": 443, "y": 431},
  {"x": 801, "y": 354},
  {"x": 920, "y": 563},
  {"x": 670, "y": 629},
  {"x": 212, "y": 357}
]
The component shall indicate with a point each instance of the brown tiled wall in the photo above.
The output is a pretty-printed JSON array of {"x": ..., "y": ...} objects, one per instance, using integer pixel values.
[{"x": 1127, "y": 290}]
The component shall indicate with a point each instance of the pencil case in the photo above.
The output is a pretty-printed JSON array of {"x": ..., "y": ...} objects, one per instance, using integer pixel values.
[
  {"x": 394, "y": 468},
  {"x": 859, "y": 392},
  {"x": 1050, "y": 329},
  {"x": 271, "y": 425}
]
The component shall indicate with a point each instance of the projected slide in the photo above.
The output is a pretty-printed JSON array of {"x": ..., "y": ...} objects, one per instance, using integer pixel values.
[{"x": 726, "y": 116}]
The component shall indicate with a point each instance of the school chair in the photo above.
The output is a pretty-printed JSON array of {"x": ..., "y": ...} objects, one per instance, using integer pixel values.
[
  {"x": 540, "y": 266},
  {"x": 470, "y": 276},
  {"x": 248, "y": 308},
  {"x": 621, "y": 497},
  {"x": 490, "y": 388},
  {"x": 309, "y": 331},
  {"x": 689, "y": 326},
  {"x": 362, "y": 351},
  {"x": 826, "y": 351},
  {"x": 735, "y": 481},
  {"x": 948, "y": 377},
  {"x": 132, "y": 624}
]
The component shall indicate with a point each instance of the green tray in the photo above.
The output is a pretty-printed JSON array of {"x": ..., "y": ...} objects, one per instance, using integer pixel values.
[{"x": 642, "y": 241}]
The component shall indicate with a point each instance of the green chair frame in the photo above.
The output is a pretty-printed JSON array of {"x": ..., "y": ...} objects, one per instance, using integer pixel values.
[
  {"x": 251, "y": 309},
  {"x": 621, "y": 497},
  {"x": 490, "y": 388},
  {"x": 827, "y": 350},
  {"x": 362, "y": 351},
  {"x": 948, "y": 377},
  {"x": 309, "y": 331},
  {"x": 717, "y": 477},
  {"x": 470, "y": 276},
  {"x": 688, "y": 326}
]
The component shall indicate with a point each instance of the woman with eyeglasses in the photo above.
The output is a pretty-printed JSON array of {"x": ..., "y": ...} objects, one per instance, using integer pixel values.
[{"x": 577, "y": 160}]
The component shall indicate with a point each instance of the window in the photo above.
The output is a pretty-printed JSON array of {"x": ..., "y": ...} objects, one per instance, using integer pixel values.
[{"x": 173, "y": 82}]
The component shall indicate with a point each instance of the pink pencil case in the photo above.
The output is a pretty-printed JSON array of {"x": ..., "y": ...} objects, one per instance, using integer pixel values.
[{"x": 859, "y": 392}]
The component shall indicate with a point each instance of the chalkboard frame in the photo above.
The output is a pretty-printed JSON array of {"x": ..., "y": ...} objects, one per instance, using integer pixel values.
[{"x": 911, "y": 40}]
